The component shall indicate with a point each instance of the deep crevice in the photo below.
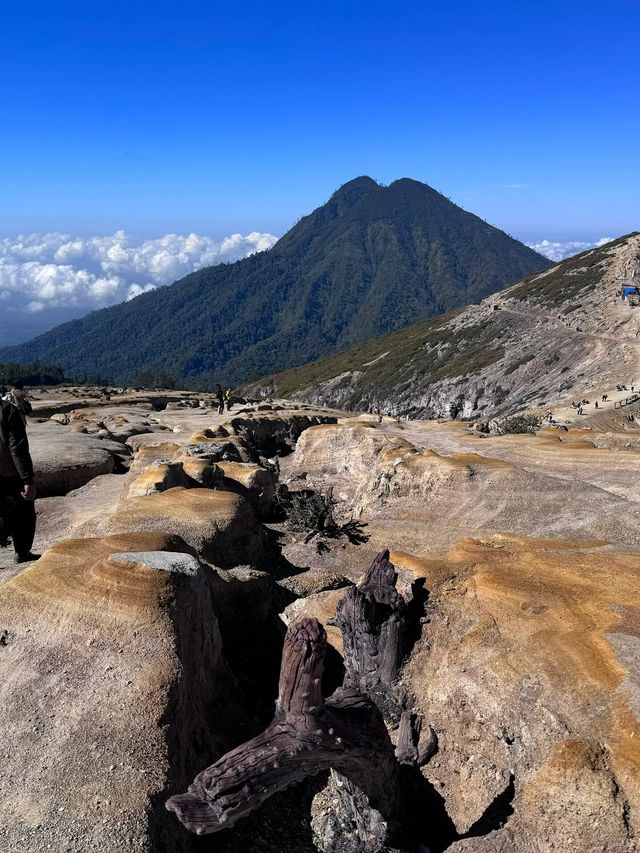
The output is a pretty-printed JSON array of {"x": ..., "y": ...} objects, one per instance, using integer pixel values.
[{"x": 252, "y": 647}]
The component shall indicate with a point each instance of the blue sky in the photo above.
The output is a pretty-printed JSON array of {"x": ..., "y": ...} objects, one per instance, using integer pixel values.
[
  {"x": 124, "y": 123},
  {"x": 158, "y": 117}
]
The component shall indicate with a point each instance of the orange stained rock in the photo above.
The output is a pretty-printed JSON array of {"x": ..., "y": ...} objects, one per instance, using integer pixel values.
[
  {"x": 549, "y": 439},
  {"x": 321, "y": 606},
  {"x": 197, "y": 469},
  {"x": 458, "y": 460},
  {"x": 244, "y": 472},
  {"x": 76, "y": 575},
  {"x": 204, "y": 436},
  {"x": 215, "y": 433},
  {"x": 150, "y": 452},
  {"x": 158, "y": 478},
  {"x": 162, "y": 447},
  {"x": 573, "y": 762},
  {"x": 181, "y": 503},
  {"x": 554, "y": 607},
  {"x": 434, "y": 569}
]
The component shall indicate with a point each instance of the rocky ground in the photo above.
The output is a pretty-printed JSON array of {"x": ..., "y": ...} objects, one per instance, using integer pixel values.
[{"x": 145, "y": 642}]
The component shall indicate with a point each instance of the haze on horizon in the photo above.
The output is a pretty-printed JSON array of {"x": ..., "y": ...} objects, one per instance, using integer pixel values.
[{"x": 139, "y": 147}]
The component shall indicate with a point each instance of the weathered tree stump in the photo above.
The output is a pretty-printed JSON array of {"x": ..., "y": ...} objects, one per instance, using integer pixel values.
[
  {"x": 407, "y": 743},
  {"x": 373, "y": 619},
  {"x": 308, "y": 734}
]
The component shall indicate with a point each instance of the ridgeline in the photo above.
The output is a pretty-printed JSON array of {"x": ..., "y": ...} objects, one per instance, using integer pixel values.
[{"x": 372, "y": 260}]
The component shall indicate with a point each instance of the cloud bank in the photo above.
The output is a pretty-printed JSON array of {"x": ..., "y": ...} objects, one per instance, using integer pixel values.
[
  {"x": 560, "y": 251},
  {"x": 46, "y": 279},
  {"x": 59, "y": 276}
]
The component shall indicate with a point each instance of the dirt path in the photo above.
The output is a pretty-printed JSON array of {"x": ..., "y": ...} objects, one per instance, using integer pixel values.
[{"x": 567, "y": 414}]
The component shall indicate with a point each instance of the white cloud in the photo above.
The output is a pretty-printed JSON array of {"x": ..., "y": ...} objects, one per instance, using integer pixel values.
[
  {"x": 560, "y": 251},
  {"x": 71, "y": 275}
]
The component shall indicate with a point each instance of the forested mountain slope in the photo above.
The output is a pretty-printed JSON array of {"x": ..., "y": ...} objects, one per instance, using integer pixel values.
[
  {"x": 551, "y": 337},
  {"x": 371, "y": 260}
]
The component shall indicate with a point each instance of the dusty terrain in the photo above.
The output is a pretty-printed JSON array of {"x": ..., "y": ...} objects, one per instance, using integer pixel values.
[{"x": 123, "y": 676}]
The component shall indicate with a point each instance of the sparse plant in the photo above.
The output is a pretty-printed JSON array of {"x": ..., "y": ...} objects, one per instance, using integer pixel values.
[{"x": 312, "y": 513}]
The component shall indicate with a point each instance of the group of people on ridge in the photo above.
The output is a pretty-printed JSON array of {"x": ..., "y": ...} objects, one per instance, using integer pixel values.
[{"x": 17, "y": 492}]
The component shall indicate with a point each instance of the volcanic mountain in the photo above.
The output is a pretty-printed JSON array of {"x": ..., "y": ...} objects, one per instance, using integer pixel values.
[
  {"x": 373, "y": 259},
  {"x": 554, "y": 337}
]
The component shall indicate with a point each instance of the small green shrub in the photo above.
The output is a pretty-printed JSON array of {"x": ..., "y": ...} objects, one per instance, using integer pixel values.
[{"x": 311, "y": 513}]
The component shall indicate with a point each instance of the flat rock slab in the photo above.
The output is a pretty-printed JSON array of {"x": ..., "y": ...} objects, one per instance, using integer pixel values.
[
  {"x": 160, "y": 561},
  {"x": 64, "y": 460}
]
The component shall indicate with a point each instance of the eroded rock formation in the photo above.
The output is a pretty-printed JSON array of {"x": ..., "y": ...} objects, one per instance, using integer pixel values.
[
  {"x": 112, "y": 670},
  {"x": 116, "y": 689}
]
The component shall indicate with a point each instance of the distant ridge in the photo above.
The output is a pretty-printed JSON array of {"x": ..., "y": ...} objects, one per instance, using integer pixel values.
[
  {"x": 371, "y": 260},
  {"x": 548, "y": 339}
]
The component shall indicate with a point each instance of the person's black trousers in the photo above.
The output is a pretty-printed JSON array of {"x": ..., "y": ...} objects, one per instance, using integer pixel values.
[{"x": 18, "y": 515}]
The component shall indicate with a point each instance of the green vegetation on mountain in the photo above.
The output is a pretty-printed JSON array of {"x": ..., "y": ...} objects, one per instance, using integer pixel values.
[
  {"x": 373, "y": 259},
  {"x": 564, "y": 283},
  {"x": 517, "y": 346},
  {"x": 424, "y": 353}
]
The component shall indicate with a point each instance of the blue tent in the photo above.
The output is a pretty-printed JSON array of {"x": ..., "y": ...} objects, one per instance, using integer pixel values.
[{"x": 630, "y": 290}]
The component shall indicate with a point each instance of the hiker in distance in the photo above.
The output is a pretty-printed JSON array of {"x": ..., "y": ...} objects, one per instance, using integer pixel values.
[
  {"x": 17, "y": 492},
  {"x": 219, "y": 395},
  {"x": 228, "y": 398}
]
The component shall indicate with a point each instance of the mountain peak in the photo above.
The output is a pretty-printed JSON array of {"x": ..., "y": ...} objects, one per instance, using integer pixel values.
[
  {"x": 410, "y": 182},
  {"x": 372, "y": 259},
  {"x": 361, "y": 182},
  {"x": 354, "y": 190}
]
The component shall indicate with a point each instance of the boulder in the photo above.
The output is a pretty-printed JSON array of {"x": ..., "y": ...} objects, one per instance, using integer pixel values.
[
  {"x": 154, "y": 454},
  {"x": 257, "y": 484},
  {"x": 231, "y": 449},
  {"x": 312, "y": 581},
  {"x": 220, "y": 526},
  {"x": 321, "y": 606},
  {"x": 189, "y": 473},
  {"x": 202, "y": 471},
  {"x": 60, "y": 418},
  {"x": 366, "y": 466},
  {"x": 65, "y": 460},
  {"x": 159, "y": 478},
  {"x": 122, "y": 427},
  {"x": 148, "y": 439}
]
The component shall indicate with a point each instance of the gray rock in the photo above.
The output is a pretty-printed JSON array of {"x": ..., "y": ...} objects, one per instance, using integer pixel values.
[{"x": 161, "y": 561}]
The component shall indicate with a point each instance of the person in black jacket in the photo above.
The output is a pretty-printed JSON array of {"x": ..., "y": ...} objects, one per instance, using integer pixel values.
[
  {"x": 18, "y": 396},
  {"x": 17, "y": 492},
  {"x": 219, "y": 395}
]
